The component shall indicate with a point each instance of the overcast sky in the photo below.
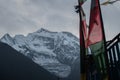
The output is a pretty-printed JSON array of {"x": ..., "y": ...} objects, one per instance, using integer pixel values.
[{"x": 26, "y": 16}]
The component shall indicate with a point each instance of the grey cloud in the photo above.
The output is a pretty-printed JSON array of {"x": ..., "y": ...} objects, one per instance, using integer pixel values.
[
  {"x": 24, "y": 16},
  {"x": 111, "y": 20}
]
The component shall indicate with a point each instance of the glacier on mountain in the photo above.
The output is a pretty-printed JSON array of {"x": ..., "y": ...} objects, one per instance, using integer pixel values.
[{"x": 54, "y": 51}]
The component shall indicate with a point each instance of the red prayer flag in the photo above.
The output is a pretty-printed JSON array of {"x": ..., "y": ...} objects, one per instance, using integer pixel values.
[{"x": 95, "y": 28}]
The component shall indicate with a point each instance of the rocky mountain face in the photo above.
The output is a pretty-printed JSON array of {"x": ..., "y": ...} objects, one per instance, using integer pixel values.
[{"x": 54, "y": 51}]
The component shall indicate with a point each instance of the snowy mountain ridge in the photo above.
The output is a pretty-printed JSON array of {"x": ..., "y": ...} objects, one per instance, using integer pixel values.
[{"x": 55, "y": 51}]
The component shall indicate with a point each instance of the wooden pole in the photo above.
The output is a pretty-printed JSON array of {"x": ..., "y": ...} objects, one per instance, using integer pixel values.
[{"x": 82, "y": 49}]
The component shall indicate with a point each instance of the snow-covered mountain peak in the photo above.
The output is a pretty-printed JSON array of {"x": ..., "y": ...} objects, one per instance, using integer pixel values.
[
  {"x": 43, "y": 30},
  {"x": 55, "y": 51},
  {"x": 7, "y": 39},
  {"x": 6, "y": 36}
]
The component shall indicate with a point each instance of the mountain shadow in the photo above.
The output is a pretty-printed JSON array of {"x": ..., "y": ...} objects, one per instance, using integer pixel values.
[
  {"x": 15, "y": 66},
  {"x": 75, "y": 72}
]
